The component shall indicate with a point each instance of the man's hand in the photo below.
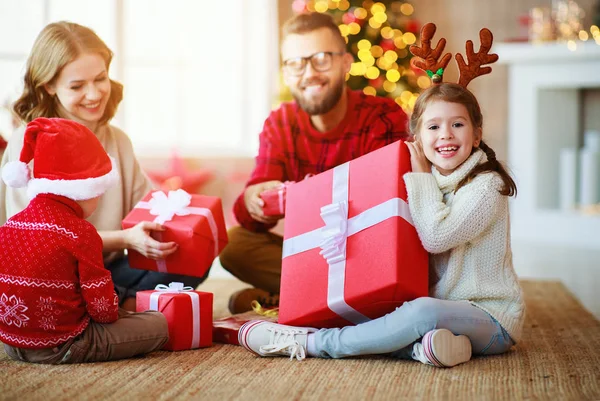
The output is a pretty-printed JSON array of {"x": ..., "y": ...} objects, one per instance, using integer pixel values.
[
  {"x": 254, "y": 203},
  {"x": 418, "y": 161}
]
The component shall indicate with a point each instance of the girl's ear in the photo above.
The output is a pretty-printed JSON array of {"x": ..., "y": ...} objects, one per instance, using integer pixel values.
[
  {"x": 478, "y": 134},
  {"x": 50, "y": 89}
]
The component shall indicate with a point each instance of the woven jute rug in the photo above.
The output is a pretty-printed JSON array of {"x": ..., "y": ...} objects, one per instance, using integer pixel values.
[{"x": 558, "y": 359}]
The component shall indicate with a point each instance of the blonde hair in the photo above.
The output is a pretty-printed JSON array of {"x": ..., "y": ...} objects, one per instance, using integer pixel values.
[
  {"x": 455, "y": 93},
  {"x": 57, "y": 45},
  {"x": 308, "y": 22}
]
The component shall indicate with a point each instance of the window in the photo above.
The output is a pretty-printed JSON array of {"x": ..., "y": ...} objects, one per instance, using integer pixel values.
[{"x": 199, "y": 76}]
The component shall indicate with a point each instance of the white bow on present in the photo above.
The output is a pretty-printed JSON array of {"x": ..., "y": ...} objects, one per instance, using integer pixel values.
[{"x": 165, "y": 207}]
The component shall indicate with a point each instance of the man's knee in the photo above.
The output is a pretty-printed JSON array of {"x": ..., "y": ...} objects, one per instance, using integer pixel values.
[{"x": 238, "y": 245}]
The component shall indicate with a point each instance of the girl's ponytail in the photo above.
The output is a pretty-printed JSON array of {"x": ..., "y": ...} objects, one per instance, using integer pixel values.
[{"x": 492, "y": 164}]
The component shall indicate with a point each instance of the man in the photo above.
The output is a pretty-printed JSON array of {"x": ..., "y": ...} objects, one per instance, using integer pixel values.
[{"x": 326, "y": 126}]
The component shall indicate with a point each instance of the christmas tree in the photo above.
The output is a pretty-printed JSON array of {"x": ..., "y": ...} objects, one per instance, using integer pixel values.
[{"x": 379, "y": 35}]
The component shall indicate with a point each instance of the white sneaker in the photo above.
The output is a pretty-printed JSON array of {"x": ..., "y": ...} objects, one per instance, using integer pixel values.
[
  {"x": 272, "y": 339},
  {"x": 443, "y": 349}
]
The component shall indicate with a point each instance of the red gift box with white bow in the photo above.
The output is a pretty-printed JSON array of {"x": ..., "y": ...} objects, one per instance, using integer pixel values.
[
  {"x": 194, "y": 222},
  {"x": 351, "y": 252},
  {"x": 189, "y": 314}
]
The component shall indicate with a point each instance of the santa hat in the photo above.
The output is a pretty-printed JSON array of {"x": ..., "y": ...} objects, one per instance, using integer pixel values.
[{"x": 68, "y": 160}]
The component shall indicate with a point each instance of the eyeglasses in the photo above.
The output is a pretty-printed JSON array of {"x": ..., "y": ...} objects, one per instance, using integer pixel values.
[{"x": 321, "y": 62}]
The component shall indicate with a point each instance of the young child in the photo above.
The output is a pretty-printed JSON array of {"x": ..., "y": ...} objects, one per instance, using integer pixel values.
[
  {"x": 458, "y": 198},
  {"x": 57, "y": 301},
  {"x": 67, "y": 76}
]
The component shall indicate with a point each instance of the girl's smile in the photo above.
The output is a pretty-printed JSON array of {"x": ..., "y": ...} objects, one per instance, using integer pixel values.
[{"x": 447, "y": 135}]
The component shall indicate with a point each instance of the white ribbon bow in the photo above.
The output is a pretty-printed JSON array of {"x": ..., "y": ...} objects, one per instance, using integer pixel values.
[
  {"x": 173, "y": 287},
  {"x": 165, "y": 207},
  {"x": 335, "y": 232},
  {"x": 176, "y": 287}
]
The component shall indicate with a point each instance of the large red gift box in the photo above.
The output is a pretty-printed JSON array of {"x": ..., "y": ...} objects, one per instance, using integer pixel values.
[
  {"x": 274, "y": 200},
  {"x": 351, "y": 252},
  {"x": 189, "y": 314},
  {"x": 194, "y": 222},
  {"x": 225, "y": 330}
]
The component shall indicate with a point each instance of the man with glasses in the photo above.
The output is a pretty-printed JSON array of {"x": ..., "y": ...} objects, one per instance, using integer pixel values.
[{"x": 327, "y": 125}]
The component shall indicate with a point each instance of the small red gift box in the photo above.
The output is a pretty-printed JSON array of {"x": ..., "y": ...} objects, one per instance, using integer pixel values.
[
  {"x": 274, "y": 200},
  {"x": 194, "y": 222},
  {"x": 226, "y": 330},
  {"x": 351, "y": 252},
  {"x": 188, "y": 313}
]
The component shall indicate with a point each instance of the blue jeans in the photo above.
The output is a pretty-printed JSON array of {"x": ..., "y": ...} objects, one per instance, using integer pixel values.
[
  {"x": 128, "y": 281},
  {"x": 396, "y": 332}
]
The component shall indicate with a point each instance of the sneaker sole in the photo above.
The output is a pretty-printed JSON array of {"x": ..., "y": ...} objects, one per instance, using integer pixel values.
[
  {"x": 444, "y": 349},
  {"x": 243, "y": 334}
]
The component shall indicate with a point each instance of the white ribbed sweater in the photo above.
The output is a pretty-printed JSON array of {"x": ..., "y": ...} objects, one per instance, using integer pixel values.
[{"x": 467, "y": 234}]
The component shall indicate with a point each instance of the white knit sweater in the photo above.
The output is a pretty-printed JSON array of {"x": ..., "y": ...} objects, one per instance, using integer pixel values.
[{"x": 467, "y": 234}]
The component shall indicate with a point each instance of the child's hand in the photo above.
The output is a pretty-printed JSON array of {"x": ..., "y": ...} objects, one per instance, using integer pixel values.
[
  {"x": 418, "y": 161},
  {"x": 138, "y": 238}
]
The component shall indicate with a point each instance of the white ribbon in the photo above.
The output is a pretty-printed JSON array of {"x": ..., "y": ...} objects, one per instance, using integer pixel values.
[
  {"x": 332, "y": 238},
  {"x": 179, "y": 288},
  {"x": 176, "y": 203},
  {"x": 280, "y": 194}
]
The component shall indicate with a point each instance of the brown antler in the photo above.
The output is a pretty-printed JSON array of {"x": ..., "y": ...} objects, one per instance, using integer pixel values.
[
  {"x": 428, "y": 57},
  {"x": 472, "y": 70}
]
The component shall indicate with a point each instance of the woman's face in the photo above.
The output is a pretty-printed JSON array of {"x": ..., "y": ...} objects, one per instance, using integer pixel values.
[{"x": 82, "y": 89}]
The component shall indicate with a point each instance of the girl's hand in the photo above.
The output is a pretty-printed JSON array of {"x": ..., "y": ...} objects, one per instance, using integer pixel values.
[
  {"x": 418, "y": 161},
  {"x": 138, "y": 238}
]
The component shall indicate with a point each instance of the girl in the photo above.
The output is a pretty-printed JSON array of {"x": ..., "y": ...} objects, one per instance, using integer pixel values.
[
  {"x": 67, "y": 76},
  {"x": 458, "y": 198}
]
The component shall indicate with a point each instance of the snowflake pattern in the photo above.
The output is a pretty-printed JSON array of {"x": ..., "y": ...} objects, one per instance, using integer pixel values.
[
  {"x": 48, "y": 322},
  {"x": 101, "y": 304},
  {"x": 12, "y": 311},
  {"x": 46, "y": 304}
]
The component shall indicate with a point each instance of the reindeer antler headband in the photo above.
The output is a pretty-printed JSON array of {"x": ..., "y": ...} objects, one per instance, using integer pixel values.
[{"x": 428, "y": 58}]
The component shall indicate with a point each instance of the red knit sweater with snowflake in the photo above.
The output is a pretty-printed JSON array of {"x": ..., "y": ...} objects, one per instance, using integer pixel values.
[
  {"x": 52, "y": 278},
  {"x": 291, "y": 148}
]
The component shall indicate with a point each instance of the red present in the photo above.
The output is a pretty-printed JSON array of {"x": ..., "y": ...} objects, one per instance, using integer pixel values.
[
  {"x": 188, "y": 313},
  {"x": 226, "y": 330},
  {"x": 274, "y": 200},
  {"x": 351, "y": 252},
  {"x": 194, "y": 222}
]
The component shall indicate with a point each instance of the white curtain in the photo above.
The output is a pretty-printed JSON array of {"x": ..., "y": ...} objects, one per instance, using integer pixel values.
[{"x": 200, "y": 75}]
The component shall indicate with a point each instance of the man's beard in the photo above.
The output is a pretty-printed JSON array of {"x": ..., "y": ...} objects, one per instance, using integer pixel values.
[{"x": 331, "y": 99}]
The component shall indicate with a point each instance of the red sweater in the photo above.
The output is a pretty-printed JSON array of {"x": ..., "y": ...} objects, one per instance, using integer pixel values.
[
  {"x": 291, "y": 148},
  {"x": 52, "y": 278}
]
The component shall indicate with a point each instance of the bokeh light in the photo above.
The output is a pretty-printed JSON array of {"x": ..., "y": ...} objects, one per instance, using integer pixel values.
[{"x": 369, "y": 90}]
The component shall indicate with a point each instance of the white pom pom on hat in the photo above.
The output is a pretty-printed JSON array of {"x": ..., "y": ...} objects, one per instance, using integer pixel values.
[
  {"x": 16, "y": 174},
  {"x": 68, "y": 160}
]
